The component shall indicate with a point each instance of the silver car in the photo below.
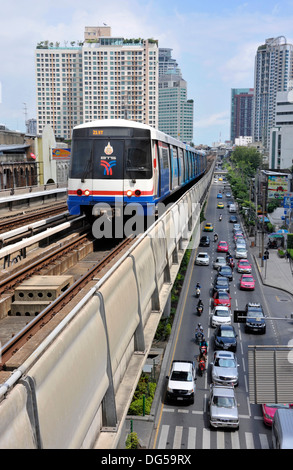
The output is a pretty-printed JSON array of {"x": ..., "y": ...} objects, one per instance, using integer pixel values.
[
  {"x": 202, "y": 259},
  {"x": 220, "y": 261},
  {"x": 223, "y": 407},
  {"x": 240, "y": 252},
  {"x": 225, "y": 368}
]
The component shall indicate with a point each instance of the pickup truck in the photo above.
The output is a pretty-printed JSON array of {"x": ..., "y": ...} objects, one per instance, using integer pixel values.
[{"x": 181, "y": 382}]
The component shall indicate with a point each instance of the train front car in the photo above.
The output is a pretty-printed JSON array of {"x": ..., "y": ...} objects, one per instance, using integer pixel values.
[{"x": 111, "y": 167}]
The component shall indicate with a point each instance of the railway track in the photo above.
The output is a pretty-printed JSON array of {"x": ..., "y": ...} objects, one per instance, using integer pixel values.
[
  {"x": 9, "y": 222},
  {"x": 62, "y": 303}
]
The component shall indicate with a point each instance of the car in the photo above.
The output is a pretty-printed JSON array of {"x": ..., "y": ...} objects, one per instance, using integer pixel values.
[
  {"x": 202, "y": 259},
  {"x": 215, "y": 180},
  {"x": 247, "y": 282},
  {"x": 220, "y": 261},
  {"x": 223, "y": 407},
  {"x": 233, "y": 219},
  {"x": 221, "y": 283},
  {"x": 219, "y": 195},
  {"x": 208, "y": 227},
  {"x": 224, "y": 369},
  {"x": 181, "y": 382},
  {"x": 204, "y": 241},
  {"x": 236, "y": 227},
  {"x": 220, "y": 315},
  {"x": 222, "y": 246},
  {"x": 240, "y": 252},
  {"x": 244, "y": 266},
  {"x": 228, "y": 194},
  {"x": 220, "y": 205},
  {"x": 240, "y": 243},
  {"x": 269, "y": 410},
  {"x": 255, "y": 318},
  {"x": 222, "y": 298},
  {"x": 226, "y": 271},
  {"x": 225, "y": 338}
]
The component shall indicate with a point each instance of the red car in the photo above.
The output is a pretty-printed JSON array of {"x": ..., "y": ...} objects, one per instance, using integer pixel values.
[
  {"x": 269, "y": 410},
  {"x": 244, "y": 266},
  {"x": 223, "y": 246},
  {"x": 247, "y": 282},
  {"x": 222, "y": 298}
]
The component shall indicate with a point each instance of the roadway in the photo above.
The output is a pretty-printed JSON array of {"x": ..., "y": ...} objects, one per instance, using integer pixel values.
[{"x": 187, "y": 426}]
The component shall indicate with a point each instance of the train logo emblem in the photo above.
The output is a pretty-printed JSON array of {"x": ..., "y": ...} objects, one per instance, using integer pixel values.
[{"x": 108, "y": 149}]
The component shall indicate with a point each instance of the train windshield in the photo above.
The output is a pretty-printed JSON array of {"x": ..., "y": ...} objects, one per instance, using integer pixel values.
[{"x": 111, "y": 158}]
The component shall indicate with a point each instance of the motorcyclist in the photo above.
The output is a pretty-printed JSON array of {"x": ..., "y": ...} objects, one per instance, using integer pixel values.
[
  {"x": 199, "y": 328},
  {"x": 220, "y": 217},
  {"x": 215, "y": 237}
]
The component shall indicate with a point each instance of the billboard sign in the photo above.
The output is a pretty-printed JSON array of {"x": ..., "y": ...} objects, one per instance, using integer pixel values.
[{"x": 278, "y": 185}]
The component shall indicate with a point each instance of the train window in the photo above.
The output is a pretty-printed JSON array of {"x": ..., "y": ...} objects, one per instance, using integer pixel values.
[
  {"x": 138, "y": 164},
  {"x": 81, "y": 159}
]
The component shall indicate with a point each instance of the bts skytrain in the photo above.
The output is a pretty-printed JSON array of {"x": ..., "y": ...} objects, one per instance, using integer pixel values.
[{"x": 118, "y": 162}]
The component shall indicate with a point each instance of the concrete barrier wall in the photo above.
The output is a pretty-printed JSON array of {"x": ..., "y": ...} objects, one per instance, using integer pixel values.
[{"x": 81, "y": 386}]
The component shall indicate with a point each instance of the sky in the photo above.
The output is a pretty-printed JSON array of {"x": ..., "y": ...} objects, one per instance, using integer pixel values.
[{"x": 214, "y": 43}]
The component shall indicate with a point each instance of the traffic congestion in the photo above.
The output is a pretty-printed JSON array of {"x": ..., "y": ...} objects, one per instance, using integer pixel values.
[{"x": 224, "y": 279}]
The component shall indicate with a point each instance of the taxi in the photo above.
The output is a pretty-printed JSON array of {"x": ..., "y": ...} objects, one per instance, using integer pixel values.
[
  {"x": 223, "y": 246},
  {"x": 208, "y": 227},
  {"x": 247, "y": 282},
  {"x": 220, "y": 205}
]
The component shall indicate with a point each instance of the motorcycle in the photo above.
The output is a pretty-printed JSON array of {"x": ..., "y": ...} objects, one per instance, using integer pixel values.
[
  {"x": 231, "y": 263},
  {"x": 203, "y": 350},
  {"x": 220, "y": 218},
  {"x": 197, "y": 292},
  {"x": 199, "y": 309},
  {"x": 198, "y": 336},
  {"x": 215, "y": 237},
  {"x": 201, "y": 366}
]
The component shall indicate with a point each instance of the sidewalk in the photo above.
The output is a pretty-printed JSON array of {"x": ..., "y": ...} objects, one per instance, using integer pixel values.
[{"x": 275, "y": 272}]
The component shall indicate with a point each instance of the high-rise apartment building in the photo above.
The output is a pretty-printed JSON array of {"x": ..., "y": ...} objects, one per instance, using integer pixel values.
[
  {"x": 241, "y": 113},
  {"x": 175, "y": 110},
  {"x": 105, "y": 77},
  {"x": 273, "y": 73}
]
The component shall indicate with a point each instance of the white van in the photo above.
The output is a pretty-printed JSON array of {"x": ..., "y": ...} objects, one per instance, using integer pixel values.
[
  {"x": 282, "y": 429},
  {"x": 232, "y": 208}
]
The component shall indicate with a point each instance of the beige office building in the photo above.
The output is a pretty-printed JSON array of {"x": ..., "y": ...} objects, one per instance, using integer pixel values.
[{"x": 105, "y": 77}]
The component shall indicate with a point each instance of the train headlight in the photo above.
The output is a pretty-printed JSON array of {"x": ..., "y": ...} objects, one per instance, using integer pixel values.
[
  {"x": 87, "y": 192},
  {"x": 79, "y": 192},
  {"x": 129, "y": 193},
  {"x": 137, "y": 192}
]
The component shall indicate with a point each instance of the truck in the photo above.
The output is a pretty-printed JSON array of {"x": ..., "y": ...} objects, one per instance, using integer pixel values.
[{"x": 182, "y": 381}]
